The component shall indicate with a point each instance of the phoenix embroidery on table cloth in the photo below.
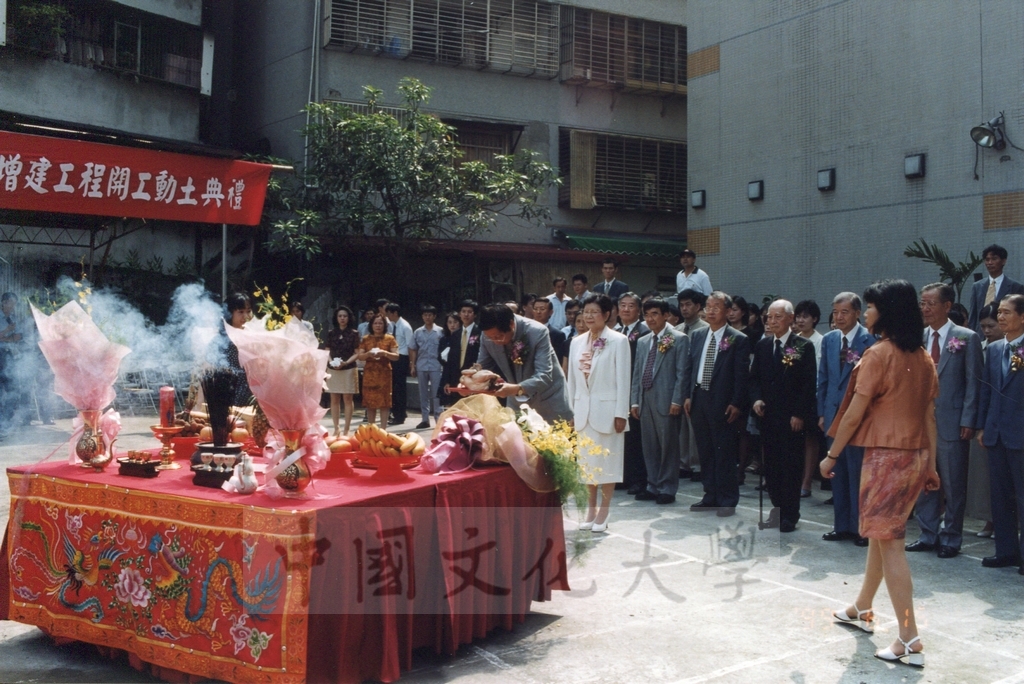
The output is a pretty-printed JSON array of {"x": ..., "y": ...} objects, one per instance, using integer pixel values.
[{"x": 201, "y": 598}]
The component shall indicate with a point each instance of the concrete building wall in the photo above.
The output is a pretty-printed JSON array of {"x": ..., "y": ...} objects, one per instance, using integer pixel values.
[
  {"x": 35, "y": 86},
  {"x": 188, "y": 11},
  {"x": 780, "y": 90}
]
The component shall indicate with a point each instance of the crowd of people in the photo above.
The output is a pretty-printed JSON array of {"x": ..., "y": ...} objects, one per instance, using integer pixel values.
[{"x": 708, "y": 386}]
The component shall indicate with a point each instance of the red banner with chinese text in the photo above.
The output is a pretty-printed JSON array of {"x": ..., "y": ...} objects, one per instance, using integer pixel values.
[{"x": 38, "y": 173}]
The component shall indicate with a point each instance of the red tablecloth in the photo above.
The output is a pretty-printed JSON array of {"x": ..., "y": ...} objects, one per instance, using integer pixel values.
[{"x": 337, "y": 588}]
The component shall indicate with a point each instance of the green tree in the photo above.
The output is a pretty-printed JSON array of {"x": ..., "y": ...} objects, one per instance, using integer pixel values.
[
  {"x": 956, "y": 274},
  {"x": 400, "y": 179}
]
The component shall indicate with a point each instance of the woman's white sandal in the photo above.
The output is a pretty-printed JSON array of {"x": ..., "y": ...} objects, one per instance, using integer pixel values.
[
  {"x": 916, "y": 659},
  {"x": 867, "y": 625}
]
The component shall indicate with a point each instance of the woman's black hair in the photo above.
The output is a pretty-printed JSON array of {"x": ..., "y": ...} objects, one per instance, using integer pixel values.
[
  {"x": 351, "y": 317},
  {"x": 899, "y": 314},
  {"x": 809, "y": 307},
  {"x": 988, "y": 312},
  {"x": 602, "y": 300},
  {"x": 237, "y": 302}
]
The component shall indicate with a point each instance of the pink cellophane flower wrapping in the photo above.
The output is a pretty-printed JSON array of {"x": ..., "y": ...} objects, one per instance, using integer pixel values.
[
  {"x": 286, "y": 373},
  {"x": 83, "y": 360},
  {"x": 456, "y": 447}
]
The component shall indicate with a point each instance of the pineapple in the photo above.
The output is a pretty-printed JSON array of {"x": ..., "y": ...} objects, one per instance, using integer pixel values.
[{"x": 260, "y": 426}]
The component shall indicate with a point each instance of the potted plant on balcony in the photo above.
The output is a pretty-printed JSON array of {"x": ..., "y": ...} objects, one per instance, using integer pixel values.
[{"x": 38, "y": 25}]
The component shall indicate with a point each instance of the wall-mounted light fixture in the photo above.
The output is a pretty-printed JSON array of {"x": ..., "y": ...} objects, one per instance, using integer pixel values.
[
  {"x": 755, "y": 190},
  {"x": 991, "y": 134},
  {"x": 827, "y": 180},
  {"x": 913, "y": 166},
  {"x": 698, "y": 199}
]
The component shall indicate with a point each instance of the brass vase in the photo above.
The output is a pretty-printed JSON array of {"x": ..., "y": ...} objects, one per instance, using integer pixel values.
[
  {"x": 296, "y": 477},
  {"x": 89, "y": 446}
]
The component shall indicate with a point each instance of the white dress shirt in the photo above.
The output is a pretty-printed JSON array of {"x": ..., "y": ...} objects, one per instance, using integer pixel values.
[
  {"x": 713, "y": 336},
  {"x": 698, "y": 280},
  {"x": 557, "y": 310},
  {"x": 943, "y": 334}
]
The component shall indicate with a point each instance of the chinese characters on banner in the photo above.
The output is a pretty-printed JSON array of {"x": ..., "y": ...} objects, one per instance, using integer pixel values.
[{"x": 69, "y": 176}]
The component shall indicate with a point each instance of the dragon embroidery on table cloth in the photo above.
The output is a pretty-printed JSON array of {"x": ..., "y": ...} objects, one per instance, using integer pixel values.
[{"x": 173, "y": 586}]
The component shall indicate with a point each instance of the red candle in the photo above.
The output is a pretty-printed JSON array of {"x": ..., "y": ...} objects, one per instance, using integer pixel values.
[{"x": 166, "y": 406}]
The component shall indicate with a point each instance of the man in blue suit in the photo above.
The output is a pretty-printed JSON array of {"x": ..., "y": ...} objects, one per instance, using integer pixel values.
[
  {"x": 956, "y": 352},
  {"x": 841, "y": 349},
  {"x": 999, "y": 411},
  {"x": 611, "y": 286},
  {"x": 993, "y": 288}
]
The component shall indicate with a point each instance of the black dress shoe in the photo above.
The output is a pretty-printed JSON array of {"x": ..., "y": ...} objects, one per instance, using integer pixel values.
[
  {"x": 423, "y": 425},
  {"x": 920, "y": 546},
  {"x": 664, "y": 499},
  {"x": 646, "y": 496},
  {"x": 685, "y": 473},
  {"x": 787, "y": 525},
  {"x": 860, "y": 541},
  {"x": 726, "y": 512},
  {"x": 1000, "y": 561},
  {"x": 395, "y": 421},
  {"x": 703, "y": 505},
  {"x": 948, "y": 552},
  {"x": 832, "y": 535},
  {"x": 828, "y": 501},
  {"x": 635, "y": 489}
]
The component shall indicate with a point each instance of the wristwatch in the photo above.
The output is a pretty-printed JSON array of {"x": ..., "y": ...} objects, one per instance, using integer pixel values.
[{"x": 520, "y": 392}]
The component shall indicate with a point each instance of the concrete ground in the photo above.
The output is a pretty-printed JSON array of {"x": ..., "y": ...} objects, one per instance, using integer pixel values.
[{"x": 667, "y": 595}]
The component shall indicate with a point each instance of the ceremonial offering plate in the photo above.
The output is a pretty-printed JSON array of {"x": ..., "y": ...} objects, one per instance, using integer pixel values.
[{"x": 389, "y": 469}]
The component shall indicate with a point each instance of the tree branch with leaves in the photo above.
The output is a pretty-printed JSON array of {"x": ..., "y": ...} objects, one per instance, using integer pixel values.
[{"x": 402, "y": 178}]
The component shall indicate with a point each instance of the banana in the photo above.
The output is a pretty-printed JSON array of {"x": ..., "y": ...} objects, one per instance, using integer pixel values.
[
  {"x": 396, "y": 441},
  {"x": 419, "y": 449},
  {"x": 390, "y": 452},
  {"x": 375, "y": 447},
  {"x": 408, "y": 443}
]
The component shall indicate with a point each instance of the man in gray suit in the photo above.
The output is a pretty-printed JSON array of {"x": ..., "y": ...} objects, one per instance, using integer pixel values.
[
  {"x": 956, "y": 352},
  {"x": 661, "y": 375},
  {"x": 691, "y": 303},
  {"x": 520, "y": 351}
]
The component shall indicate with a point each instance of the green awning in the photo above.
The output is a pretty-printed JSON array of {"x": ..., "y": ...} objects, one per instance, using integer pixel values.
[{"x": 628, "y": 246}]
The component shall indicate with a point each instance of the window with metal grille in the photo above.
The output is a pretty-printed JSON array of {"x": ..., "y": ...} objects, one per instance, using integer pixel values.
[
  {"x": 602, "y": 171},
  {"x": 509, "y": 36},
  {"x": 109, "y": 35},
  {"x": 610, "y": 51}
]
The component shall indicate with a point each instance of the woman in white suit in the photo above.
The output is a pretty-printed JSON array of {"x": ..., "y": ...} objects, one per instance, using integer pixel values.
[{"x": 599, "y": 375}]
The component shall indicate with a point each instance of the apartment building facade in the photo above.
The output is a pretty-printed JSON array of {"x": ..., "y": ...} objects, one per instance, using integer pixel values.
[{"x": 597, "y": 88}]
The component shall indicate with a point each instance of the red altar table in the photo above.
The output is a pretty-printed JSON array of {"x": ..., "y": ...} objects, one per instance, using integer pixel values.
[{"x": 341, "y": 587}]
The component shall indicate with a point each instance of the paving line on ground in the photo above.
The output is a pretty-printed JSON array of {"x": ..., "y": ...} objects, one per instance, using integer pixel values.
[
  {"x": 884, "y": 619},
  {"x": 1012, "y": 679}
]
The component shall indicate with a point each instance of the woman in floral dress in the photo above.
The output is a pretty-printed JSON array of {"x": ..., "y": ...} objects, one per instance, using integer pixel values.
[{"x": 378, "y": 350}]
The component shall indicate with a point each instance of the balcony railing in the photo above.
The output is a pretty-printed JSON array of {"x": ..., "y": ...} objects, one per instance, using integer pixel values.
[{"x": 106, "y": 35}]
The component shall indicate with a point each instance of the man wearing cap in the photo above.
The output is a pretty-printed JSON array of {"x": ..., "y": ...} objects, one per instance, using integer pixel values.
[{"x": 691, "y": 277}]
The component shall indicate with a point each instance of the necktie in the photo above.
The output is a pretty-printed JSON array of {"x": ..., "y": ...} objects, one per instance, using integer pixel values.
[
  {"x": 647, "y": 379},
  {"x": 990, "y": 296},
  {"x": 778, "y": 350},
  {"x": 709, "y": 363},
  {"x": 842, "y": 352},
  {"x": 935, "y": 347},
  {"x": 462, "y": 353}
]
